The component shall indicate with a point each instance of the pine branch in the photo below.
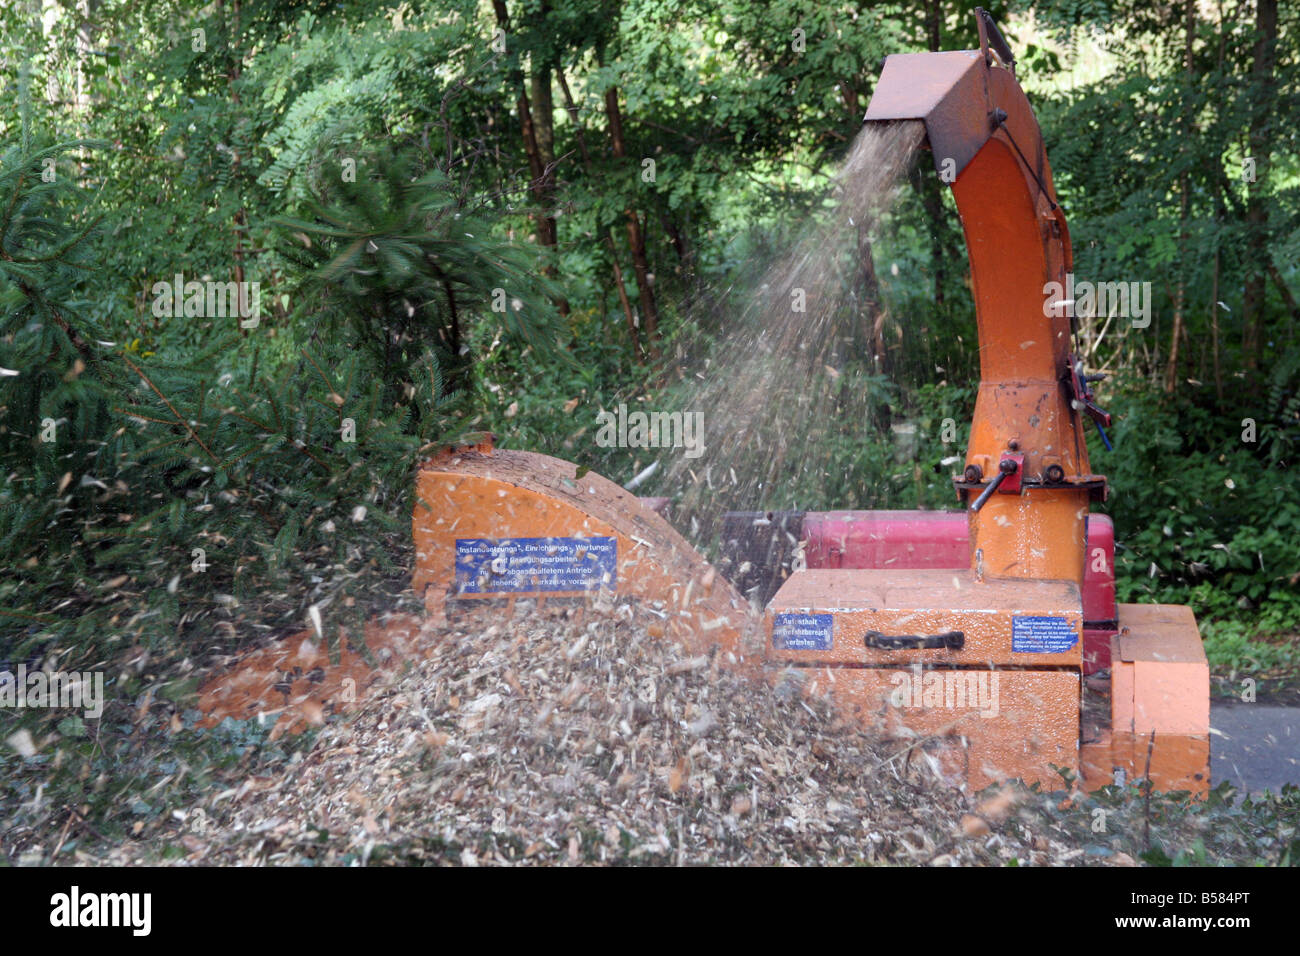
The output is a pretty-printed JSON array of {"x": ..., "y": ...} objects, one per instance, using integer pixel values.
[{"x": 172, "y": 409}]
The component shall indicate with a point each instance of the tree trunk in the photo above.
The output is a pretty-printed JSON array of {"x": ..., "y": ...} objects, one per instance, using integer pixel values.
[
  {"x": 635, "y": 232},
  {"x": 1260, "y": 138},
  {"x": 536, "y": 167},
  {"x": 1283, "y": 289},
  {"x": 240, "y": 222},
  {"x": 85, "y": 46},
  {"x": 1220, "y": 214},
  {"x": 1184, "y": 205},
  {"x": 543, "y": 122},
  {"x": 930, "y": 186},
  {"x": 933, "y": 23},
  {"x": 1214, "y": 325},
  {"x": 872, "y": 310},
  {"x": 49, "y": 17},
  {"x": 453, "y": 345},
  {"x": 544, "y": 127},
  {"x": 850, "y": 95},
  {"x": 680, "y": 243},
  {"x": 544, "y": 140},
  {"x": 572, "y": 109}
]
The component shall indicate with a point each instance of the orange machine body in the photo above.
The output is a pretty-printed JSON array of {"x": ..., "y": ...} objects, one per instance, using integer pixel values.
[
  {"x": 896, "y": 647},
  {"x": 493, "y": 528},
  {"x": 987, "y": 144}
]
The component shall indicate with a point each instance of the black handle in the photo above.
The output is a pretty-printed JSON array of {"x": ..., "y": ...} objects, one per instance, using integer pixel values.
[
  {"x": 1006, "y": 468},
  {"x": 996, "y": 40},
  {"x": 952, "y": 640}
]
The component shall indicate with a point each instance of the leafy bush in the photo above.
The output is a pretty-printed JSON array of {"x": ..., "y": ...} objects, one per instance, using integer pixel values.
[
  {"x": 1204, "y": 513},
  {"x": 197, "y": 498}
]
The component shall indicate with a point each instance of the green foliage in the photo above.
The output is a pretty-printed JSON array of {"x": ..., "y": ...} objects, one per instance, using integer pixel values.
[
  {"x": 233, "y": 493},
  {"x": 403, "y": 258},
  {"x": 1150, "y": 161},
  {"x": 1206, "y": 515},
  {"x": 50, "y": 351},
  {"x": 1236, "y": 649},
  {"x": 232, "y": 484},
  {"x": 328, "y": 86}
]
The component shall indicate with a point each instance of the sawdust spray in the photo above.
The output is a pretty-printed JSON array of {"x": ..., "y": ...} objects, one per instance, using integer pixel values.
[{"x": 787, "y": 385}]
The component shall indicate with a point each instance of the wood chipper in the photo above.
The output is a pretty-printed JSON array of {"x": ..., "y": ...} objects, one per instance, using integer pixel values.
[
  {"x": 983, "y": 664},
  {"x": 970, "y": 636}
]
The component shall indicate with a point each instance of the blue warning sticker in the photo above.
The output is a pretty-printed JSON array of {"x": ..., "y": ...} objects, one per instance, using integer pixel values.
[
  {"x": 514, "y": 565},
  {"x": 802, "y": 632},
  {"x": 1042, "y": 635}
]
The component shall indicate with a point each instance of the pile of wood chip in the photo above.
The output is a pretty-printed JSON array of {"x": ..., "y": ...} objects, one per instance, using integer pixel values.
[{"x": 579, "y": 737}]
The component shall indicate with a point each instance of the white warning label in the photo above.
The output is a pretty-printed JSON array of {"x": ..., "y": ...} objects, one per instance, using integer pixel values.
[
  {"x": 802, "y": 632},
  {"x": 1042, "y": 635}
]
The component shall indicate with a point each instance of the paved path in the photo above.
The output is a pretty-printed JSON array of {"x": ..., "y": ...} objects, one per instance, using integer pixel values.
[{"x": 1257, "y": 746}]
